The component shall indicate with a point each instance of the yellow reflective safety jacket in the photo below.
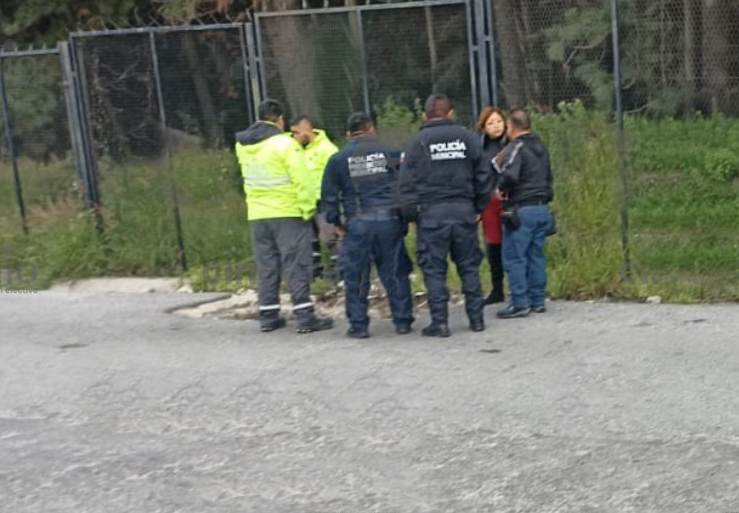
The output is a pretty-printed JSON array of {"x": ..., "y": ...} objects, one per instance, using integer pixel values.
[
  {"x": 277, "y": 181},
  {"x": 317, "y": 153}
]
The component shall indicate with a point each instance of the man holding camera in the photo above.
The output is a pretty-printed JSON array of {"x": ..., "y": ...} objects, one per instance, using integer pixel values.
[{"x": 525, "y": 185}]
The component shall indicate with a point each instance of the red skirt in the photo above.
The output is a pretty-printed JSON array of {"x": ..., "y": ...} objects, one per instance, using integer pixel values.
[{"x": 492, "y": 225}]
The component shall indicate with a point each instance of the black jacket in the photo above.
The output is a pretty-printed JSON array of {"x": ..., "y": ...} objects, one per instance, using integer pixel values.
[
  {"x": 359, "y": 178},
  {"x": 443, "y": 163},
  {"x": 490, "y": 149},
  {"x": 526, "y": 174}
]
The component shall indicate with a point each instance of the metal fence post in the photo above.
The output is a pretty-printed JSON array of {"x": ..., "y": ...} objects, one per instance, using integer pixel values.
[
  {"x": 471, "y": 52},
  {"x": 11, "y": 149},
  {"x": 82, "y": 100},
  {"x": 73, "y": 117},
  {"x": 246, "y": 69},
  {"x": 621, "y": 142},
  {"x": 254, "y": 69},
  {"x": 170, "y": 170},
  {"x": 363, "y": 60},
  {"x": 259, "y": 47},
  {"x": 491, "y": 50},
  {"x": 482, "y": 54}
]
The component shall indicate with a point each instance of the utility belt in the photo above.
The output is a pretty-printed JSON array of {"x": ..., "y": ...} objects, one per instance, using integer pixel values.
[
  {"x": 527, "y": 203},
  {"x": 377, "y": 214},
  {"x": 426, "y": 206}
]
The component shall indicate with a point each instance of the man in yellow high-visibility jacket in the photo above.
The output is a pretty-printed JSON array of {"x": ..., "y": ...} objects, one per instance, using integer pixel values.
[
  {"x": 280, "y": 202},
  {"x": 318, "y": 149}
]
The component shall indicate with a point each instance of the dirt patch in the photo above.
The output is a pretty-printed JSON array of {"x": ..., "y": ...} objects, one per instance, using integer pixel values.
[
  {"x": 123, "y": 285},
  {"x": 244, "y": 305}
]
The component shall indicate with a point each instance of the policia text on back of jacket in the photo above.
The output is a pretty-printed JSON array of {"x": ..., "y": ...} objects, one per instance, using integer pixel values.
[
  {"x": 281, "y": 201},
  {"x": 444, "y": 185},
  {"x": 359, "y": 185}
]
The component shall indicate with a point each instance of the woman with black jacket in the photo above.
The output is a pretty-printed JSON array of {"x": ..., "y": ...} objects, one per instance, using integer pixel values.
[{"x": 491, "y": 125}]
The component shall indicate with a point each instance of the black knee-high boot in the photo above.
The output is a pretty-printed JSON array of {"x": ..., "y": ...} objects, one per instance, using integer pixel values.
[{"x": 496, "y": 272}]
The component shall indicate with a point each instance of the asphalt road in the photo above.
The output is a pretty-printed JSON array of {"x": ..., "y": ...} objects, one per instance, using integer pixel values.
[{"x": 108, "y": 404}]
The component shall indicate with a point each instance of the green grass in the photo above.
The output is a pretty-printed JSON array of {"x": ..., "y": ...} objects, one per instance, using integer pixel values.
[
  {"x": 585, "y": 257},
  {"x": 683, "y": 186},
  {"x": 138, "y": 237},
  {"x": 684, "y": 200}
]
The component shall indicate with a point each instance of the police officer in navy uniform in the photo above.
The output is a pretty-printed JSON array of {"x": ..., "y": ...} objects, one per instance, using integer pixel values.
[
  {"x": 360, "y": 185},
  {"x": 444, "y": 185}
]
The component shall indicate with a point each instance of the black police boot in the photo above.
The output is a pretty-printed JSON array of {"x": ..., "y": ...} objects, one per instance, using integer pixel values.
[
  {"x": 402, "y": 329},
  {"x": 539, "y": 309},
  {"x": 496, "y": 296},
  {"x": 266, "y": 325},
  {"x": 357, "y": 333},
  {"x": 477, "y": 325},
  {"x": 315, "y": 324},
  {"x": 512, "y": 312},
  {"x": 436, "y": 330}
]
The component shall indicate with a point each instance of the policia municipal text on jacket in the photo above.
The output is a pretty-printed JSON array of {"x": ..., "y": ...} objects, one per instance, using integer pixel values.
[
  {"x": 361, "y": 180},
  {"x": 444, "y": 185},
  {"x": 280, "y": 202},
  {"x": 526, "y": 183}
]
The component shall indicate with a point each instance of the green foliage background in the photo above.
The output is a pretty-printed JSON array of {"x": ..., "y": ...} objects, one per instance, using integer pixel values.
[
  {"x": 683, "y": 190},
  {"x": 683, "y": 164}
]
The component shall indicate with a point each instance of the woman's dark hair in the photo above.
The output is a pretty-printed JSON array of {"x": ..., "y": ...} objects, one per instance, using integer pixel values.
[{"x": 485, "y": 114}]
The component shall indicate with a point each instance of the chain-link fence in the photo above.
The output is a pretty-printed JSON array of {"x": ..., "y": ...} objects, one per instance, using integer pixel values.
[
  {"x": 672, "y": 179},
  {"x": 327, "y": 64},
  {"x": 680, "y": 91},
  {"x": 37, "y": 170},
  {"x": 644, "y": 124},
  {"x": 161, "y": 106},
  {"x": 434, "y": 56}
]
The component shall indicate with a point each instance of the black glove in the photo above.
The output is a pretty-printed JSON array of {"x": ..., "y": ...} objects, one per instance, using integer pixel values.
[{"x": 409, "y": 213}]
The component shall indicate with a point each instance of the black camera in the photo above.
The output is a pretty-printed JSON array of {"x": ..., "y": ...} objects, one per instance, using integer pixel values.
[{"x": 510, "y": 218}]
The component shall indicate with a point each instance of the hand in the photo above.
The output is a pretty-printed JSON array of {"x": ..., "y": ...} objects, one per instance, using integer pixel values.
[
  {"x": 478, "y": 217},
  {"x": 340, "y": 231}
]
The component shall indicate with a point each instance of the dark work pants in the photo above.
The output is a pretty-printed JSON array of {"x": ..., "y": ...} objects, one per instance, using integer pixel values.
[
  {"x": 495, "y": 259},
  {"x": 381, "y": 242},
  {"x": 443, "y": 229},
  {"x": 323, "y": 233},
  {"x": 283, "y": 247}
]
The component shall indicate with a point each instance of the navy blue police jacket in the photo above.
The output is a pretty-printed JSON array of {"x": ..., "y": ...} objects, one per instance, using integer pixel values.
[
  {"x": 362, "y": 177},
  {"x": 444, "y": 163}
]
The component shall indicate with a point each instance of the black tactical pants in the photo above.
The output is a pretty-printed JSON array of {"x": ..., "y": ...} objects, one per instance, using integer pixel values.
[
  {"x": 444, "y": 229},
  {"x": 380, "y": 241}
]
